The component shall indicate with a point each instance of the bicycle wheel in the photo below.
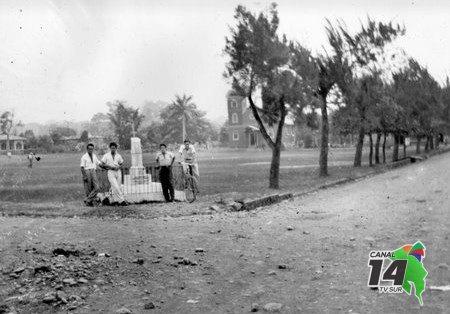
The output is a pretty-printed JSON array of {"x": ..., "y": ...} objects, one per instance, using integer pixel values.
[{"x": 189, "y": 191}]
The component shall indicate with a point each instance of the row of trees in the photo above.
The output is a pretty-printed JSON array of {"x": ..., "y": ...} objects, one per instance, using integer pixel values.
[
  {"x": 171, "y": 124},
  {"x": 177, "y": 121},
  {"x": 377, "y": 89},
  {"x": 55, "y": 141}
]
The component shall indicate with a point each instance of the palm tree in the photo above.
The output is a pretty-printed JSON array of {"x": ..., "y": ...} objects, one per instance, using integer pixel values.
[{"x": 182, "y": 108}]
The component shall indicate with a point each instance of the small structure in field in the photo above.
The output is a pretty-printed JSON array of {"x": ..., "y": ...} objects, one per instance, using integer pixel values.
[{"x": 16, "y": 144}]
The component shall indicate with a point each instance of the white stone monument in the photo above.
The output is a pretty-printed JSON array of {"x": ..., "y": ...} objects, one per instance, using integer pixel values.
[
  {"x": 137, "y": 170},
  {"x": 138, "y": 185}
]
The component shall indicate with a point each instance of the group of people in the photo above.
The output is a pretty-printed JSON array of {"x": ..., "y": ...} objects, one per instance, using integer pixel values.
[{"x": 113, "y": 163}]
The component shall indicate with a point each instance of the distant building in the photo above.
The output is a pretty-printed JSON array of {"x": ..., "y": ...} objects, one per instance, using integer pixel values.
[
  {"x": 16, "y": 144},
  {"x": 70, "y": 140},
  {"x": 75, "y": 143},
  {"x": 100, "y": 142},
  {"x": 243, "y": 130}
]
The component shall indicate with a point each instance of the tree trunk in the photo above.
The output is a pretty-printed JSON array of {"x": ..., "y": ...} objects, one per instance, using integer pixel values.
[
  {"x": 404, "y": 147},
  {"x": 183, "y": 125},
  {"x": 274, "y": 179},
  {"x": 427, "y": 144},
  {"x": 274, "y": 176},
  {"x": 377, "y": 148},
  {"x": 384, "y": 147},
  {"x": 431, "y": 142},
  {"x": 436, "y": 140},
  {"x": 396, "y": 144},
  {"x": 323, "y": 158},
  {"x": 370, "y": 150},
  {"x": 359, "y": 147},
  {"x": 419, "y": 138}
]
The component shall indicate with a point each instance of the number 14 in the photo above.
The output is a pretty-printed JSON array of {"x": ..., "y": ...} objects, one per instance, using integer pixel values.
[{"x": 395, "y": 272}]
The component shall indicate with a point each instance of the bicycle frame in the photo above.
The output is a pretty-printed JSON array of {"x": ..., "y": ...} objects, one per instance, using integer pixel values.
[
  {"x": 188, "y": 170},
  {"x": 189, "y": 179}
]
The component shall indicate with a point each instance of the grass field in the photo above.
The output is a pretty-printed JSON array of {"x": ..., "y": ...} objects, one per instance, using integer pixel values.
[{"x": 57, "y": 178}]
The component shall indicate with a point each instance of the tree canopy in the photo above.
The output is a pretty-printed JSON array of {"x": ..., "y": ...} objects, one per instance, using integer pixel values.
[{"x": 125, "y": 120}]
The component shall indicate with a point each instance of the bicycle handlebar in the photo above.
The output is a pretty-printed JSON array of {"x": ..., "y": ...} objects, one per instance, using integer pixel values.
[{"x": 185, "y": 163}]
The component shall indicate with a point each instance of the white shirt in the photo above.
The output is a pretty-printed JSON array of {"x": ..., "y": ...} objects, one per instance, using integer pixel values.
[
  {"x": 87, "y": 163},
  {"x": 111, "y": 161},
  {"x": 164, "y": 159},
  {"x": 188, "y": 155}
]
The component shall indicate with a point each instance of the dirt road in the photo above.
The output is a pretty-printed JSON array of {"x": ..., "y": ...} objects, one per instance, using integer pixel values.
[{"x": 320, "y": 266}]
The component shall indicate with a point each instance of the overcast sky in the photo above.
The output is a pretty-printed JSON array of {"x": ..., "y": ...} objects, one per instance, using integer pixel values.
[{"x": 63, "y": 60}]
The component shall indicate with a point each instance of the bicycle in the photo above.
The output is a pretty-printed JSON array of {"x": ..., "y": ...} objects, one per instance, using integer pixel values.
[{"x": 190, "y": 184}]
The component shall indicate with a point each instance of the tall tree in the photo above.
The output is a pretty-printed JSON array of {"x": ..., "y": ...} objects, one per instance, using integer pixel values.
[
  {"x": 100, "y": 125},
  {"x": 361, "y": 54},
  {"x": 84, "y": 137},
  {"x": 152, "y": 110},
  {"x": 125, "y": 120},
  {"x": 319, "y": 77},
  {"x": 446, "y": 106},
  {"x": 259, "y": 62},
  {"x": 387, "y": 116},
  {"x": 328, "y": 66},
  {"x": 182, "y": 109},
  {"x": 198, "y": 128},
  {"x": 420, "y": 97}
]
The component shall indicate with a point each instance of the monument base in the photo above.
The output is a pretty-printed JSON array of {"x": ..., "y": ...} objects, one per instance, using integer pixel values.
[
  {"x": 144, "y": 190},
  {"x": 139, "y": 176},
  {"x": 137, "y": 185}
]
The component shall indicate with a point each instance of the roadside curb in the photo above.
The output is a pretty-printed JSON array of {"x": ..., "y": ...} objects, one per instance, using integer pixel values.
[
  {"x": 265, "y": 201},
  {"x": 251, "y": 204}
]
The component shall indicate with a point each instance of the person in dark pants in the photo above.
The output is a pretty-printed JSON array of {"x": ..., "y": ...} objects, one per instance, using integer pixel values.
[
  {"x": 164, "y": 161},
  {"x": 89, "y": 163}
]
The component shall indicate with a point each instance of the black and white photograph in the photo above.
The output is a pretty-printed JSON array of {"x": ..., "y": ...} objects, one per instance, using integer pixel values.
[{"x": 228, "y": 156}]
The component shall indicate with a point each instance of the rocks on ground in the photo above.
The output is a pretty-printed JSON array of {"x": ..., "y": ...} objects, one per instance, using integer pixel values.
[
  {"x": 56, "y": 277},
  {"x": 123, "y": 310},
  {"x": 272, "y": 307},
  {"x": 149, "y": 306},
  {"x": 139, "y": 261}
]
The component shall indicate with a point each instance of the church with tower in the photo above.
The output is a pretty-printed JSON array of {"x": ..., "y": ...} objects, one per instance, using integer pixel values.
[{"x": 243, "y": 130}]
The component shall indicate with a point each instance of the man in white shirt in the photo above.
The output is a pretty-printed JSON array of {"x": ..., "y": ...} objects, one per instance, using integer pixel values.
[
  {"x": 89, "y": 163},
  {"x": 188, "y": 155},
  {"x": 164, "y": 161},
  {"x": 112, "y": 161}
]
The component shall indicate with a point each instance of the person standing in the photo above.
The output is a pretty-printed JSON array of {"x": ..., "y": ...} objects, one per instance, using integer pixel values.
[
  {"x": 30, "y": 159},
  {"x": 188, "y": 155},
  {"x": 164, "y": 161},
  {"x": 113, "y": 162},
  {"x": 89, "y": 163}
]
